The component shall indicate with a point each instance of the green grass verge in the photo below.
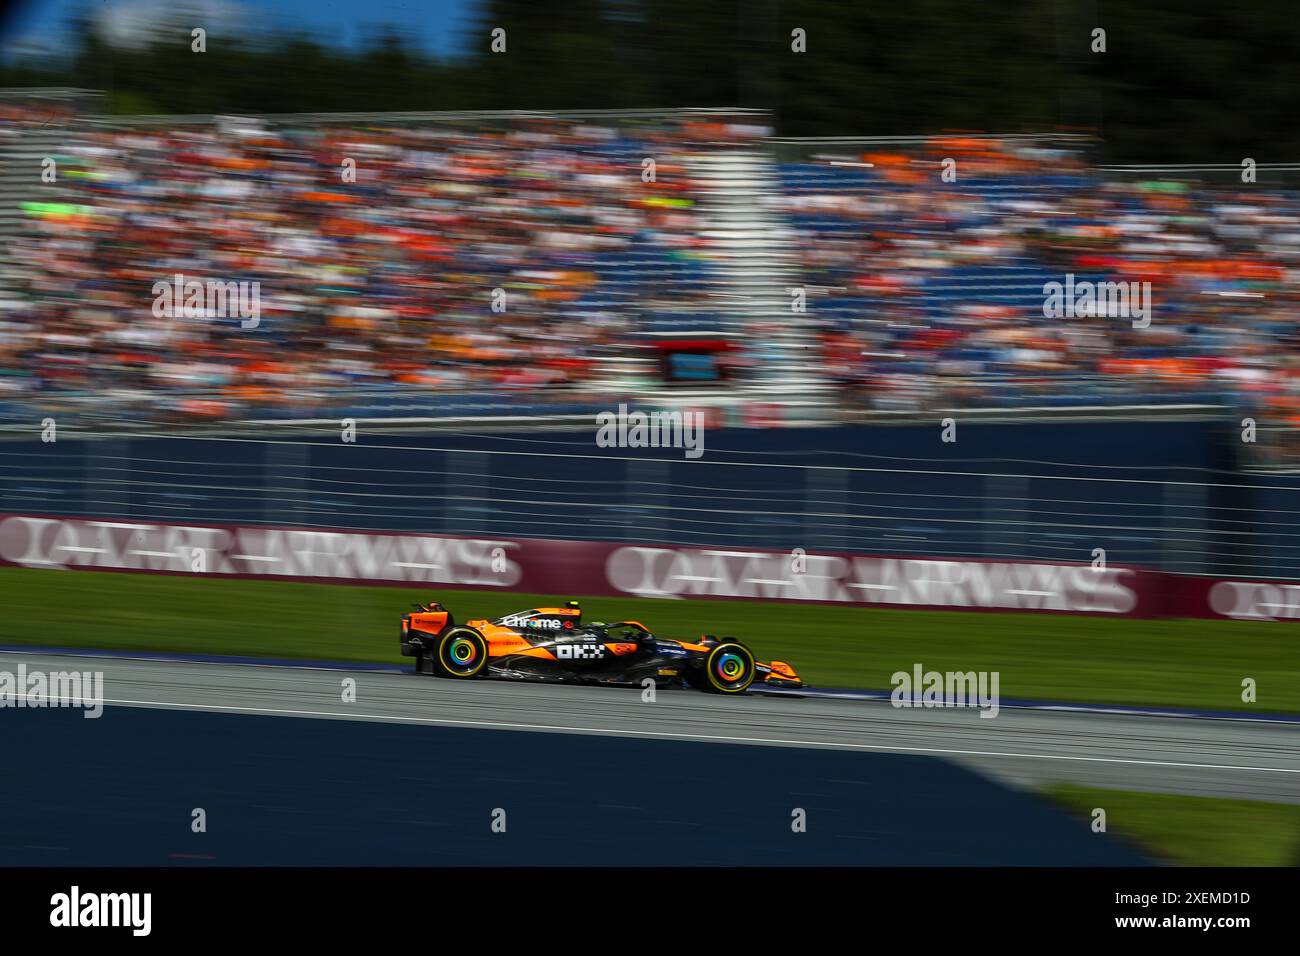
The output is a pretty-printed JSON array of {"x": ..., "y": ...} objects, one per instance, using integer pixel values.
[
  {"x": 1193, "y": 831},
  {"x": 1041, "y": 656}
]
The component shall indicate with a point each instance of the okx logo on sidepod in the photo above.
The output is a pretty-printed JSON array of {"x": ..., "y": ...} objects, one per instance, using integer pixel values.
[{"x": 579, "y": 652}]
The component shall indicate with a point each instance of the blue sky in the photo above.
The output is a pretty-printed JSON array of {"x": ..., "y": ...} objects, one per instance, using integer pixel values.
[{"x": 435, "y": 25}]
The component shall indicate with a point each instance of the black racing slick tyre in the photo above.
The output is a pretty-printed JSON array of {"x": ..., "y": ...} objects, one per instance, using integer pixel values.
[
  {"x": 728, "y": 669},
  {"x": 461, "y": 652}
]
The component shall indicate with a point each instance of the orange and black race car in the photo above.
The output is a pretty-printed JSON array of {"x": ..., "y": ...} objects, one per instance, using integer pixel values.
[{"x": 552, "y": 644}]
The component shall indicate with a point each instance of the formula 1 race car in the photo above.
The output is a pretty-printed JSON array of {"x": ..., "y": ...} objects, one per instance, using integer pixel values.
[{"x": 552, "y": 644}]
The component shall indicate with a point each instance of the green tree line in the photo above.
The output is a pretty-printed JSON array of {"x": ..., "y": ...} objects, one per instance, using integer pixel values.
[{"x": 1177, "y": 81}]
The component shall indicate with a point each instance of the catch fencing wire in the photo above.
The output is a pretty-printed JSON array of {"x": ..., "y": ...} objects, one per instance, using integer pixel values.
[{"x": 985, "y": 508}]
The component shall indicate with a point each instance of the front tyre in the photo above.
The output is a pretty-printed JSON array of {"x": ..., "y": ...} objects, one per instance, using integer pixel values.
[
  {"x": 462, "y": 652},
  {"x": 728, "y": 669}
]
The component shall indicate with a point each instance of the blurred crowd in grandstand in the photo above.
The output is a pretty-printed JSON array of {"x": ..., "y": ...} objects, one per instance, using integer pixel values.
[
  {"x": 923, "y": 293},
  {"x": 932, "y": 294},
  {"x": 378, "y": 250}
]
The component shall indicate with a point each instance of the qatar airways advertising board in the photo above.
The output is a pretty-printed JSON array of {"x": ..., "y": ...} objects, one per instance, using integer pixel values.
[{"x": 606, "y": 569}]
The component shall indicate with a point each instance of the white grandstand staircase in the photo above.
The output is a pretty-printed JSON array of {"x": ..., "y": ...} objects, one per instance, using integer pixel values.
[
  {"x": 755, "y": 257},
  {"x": 754, "y": 262}
]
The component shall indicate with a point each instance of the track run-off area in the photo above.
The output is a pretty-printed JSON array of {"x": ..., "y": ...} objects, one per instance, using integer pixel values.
[
  {"x": 1244, "y": 758},
  {"x": 373, "y": 765}
]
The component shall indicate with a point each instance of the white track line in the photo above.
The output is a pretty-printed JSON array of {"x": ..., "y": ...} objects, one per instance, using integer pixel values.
[
  {"x": 810, "y": 693},
  {"x": 667, "y": 734}
]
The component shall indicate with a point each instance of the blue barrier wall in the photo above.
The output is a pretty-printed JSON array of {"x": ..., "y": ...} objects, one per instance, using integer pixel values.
[{"x": 1158, "y": 494}]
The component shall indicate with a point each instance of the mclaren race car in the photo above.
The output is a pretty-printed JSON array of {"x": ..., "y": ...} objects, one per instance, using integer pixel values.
[{"x": 552, "y": 644}]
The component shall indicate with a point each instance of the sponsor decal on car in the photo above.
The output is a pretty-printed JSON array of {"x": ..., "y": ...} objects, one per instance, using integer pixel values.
[
  {"x": 579, "y": 652},
  {"x": 540, "y": 623}
]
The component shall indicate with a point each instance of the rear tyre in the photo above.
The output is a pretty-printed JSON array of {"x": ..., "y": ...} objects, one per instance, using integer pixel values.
[
  {"x": 462, "y": 652},
  {"x": 728, "y": 669}
]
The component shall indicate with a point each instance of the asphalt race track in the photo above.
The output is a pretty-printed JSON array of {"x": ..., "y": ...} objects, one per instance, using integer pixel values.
[
  {"x": 411, "y": 771},
  {"x": 1212, "y": 757}
]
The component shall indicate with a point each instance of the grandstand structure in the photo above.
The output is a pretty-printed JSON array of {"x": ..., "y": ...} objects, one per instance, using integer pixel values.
[
  {"x": 813, "y": 280},
  {"x": 23, "y": 146},
  {"x": 694, "y": 267},
  {"x": 943, "y": 284}
]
